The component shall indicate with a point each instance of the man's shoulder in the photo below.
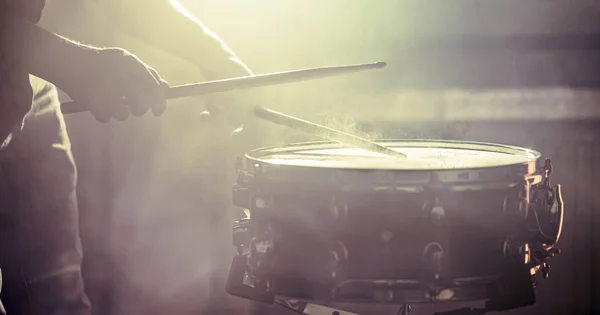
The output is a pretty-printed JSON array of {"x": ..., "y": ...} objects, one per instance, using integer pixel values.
[{"x": 30, "y": 10}]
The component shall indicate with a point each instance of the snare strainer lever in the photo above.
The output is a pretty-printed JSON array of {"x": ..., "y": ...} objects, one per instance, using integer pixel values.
[{"x": 324, "y": 132}]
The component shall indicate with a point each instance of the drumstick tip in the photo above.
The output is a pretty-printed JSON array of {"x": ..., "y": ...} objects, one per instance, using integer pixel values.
[{"x": 380, "y": 64}]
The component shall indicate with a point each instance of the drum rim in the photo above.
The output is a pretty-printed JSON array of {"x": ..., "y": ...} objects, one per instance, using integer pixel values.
[{"x": 257, "y": 155}]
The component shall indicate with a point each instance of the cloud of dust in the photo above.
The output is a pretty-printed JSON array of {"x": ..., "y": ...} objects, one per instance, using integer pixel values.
[{"x": 171, "y": 226}]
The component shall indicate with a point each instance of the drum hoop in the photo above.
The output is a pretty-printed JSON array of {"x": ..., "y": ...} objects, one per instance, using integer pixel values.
[{"x": 256, "y": 155}]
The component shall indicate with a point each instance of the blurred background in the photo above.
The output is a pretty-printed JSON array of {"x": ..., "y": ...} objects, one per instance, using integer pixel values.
[{"x": 154, "y": 193}]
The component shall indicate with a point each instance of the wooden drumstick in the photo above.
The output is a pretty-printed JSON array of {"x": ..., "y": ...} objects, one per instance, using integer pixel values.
[
  {"x": 197, "y": 89},
  {"x": 324, "y": 132}
]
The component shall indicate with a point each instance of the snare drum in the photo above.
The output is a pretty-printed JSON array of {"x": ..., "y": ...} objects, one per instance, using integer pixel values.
[{"x": 452, "y": 221}]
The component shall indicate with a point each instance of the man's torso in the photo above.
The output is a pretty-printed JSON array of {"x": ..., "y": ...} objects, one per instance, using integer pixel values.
[{"x": 40, "y": 250}]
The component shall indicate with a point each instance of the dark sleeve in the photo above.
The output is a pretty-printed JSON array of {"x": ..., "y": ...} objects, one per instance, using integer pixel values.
[
  {"x": 43, "y": 174},
  {"x": 43, "y": 171}
]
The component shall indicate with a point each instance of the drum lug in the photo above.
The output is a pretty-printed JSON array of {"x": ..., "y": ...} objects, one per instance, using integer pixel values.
[{"x": 434, "y": 212}]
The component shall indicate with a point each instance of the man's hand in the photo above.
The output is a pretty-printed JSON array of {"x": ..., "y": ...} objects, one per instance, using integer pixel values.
[
  {"x": 112, "y": 82},
  {"x": 115, "y": 83}
]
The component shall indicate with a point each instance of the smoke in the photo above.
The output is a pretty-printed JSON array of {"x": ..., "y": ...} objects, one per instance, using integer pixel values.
[
  {"x": 172, "y": 230},
  {"x": 170, "y": 179}
]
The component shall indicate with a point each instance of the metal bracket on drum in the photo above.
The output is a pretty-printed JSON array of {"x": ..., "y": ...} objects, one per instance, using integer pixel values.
[
  {"x": 546, "y": 220},
  {"x": 548, "y": 207},
  {"x": 239, "y": 281}
]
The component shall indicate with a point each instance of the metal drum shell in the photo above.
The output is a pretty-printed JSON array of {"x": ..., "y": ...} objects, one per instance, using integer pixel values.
[{"x": 329, "y": 229}]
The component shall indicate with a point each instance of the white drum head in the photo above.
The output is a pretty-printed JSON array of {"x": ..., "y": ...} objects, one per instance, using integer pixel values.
[{"x": 421, "y": 156}]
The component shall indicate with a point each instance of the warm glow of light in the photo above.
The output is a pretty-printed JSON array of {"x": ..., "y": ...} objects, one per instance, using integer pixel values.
[
  {"x": 187, "y": 14},
  {"x": 177, "y": 5}
]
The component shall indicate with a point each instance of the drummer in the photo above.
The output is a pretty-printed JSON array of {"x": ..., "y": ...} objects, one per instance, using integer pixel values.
[{"x": 40, "y": 253}]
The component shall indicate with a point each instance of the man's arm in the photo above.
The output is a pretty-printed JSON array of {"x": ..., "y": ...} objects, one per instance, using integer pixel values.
[
  {"x": 110, "y": 81},
  {"x": 44, "y": 54},
  {"x": 167, "y": 25}
]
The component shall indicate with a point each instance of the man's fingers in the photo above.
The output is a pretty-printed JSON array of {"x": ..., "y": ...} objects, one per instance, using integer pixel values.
[
  {"x": 140, "y": 73},
  {"x": 103, "y": 110},
  {"x": 138, "y": 101},
  {"x": 143, "y": 88},
  {"x": 118, "y": 109},
  {"x": 159, "y": 109},
  {"x": 99, "y": 111},
  {"x": 161, "y": 105}
]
